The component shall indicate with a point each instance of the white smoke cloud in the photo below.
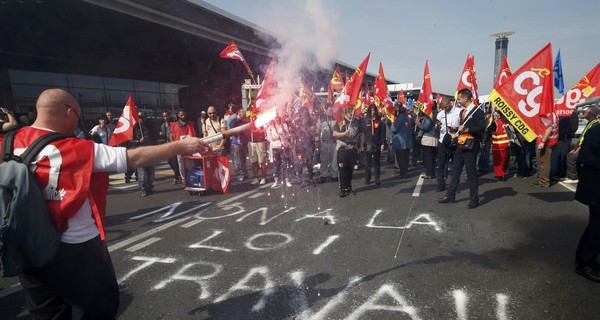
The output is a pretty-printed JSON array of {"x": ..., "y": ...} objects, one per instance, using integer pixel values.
[{"x": 307, "y": 42}]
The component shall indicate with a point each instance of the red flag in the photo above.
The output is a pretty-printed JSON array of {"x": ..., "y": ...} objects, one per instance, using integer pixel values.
[
  {"x": 349, "y": 94},
  {"x": 401, "y": 97},
  {"x": 233, "y": 52},
  {"x": 267, "y": 90},
  {"x": 438, "y": 98},
  {"x": 308, "y": 96},
  {"x": 503, "y": 74},
  {"x": 336, "y": 83},
  {"x": 425, "y": 100},
  {"x": 528, "y": 94},
  {"x": 382, "y": 96},
  {"x": 585, "y": 88},
  {"x": 468, "y": 80},
  {"x": 222, "y": 174},
  {"x": 124, "y": 129},
  {"x": 360, "y": 104}
]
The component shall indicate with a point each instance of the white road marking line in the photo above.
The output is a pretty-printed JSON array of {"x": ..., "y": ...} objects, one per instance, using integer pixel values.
[
  {"x": 146, "y": 234},
  {"x": 258, "y": 194},
  {"x": 143, "y": 244},
  {"x": 417, "y": 191},
  {"x": 191, "y": 223},
  {"x": 569, "y": 186},
  {"x": 6, "y": 292}
]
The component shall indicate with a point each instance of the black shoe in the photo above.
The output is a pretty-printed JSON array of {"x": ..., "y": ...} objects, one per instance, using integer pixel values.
[
  {"x": 144, "y": 193},
  {"x": 440, "y": 188},
  {"x": 367, "y": 182},
  {"x": 446, "y": 200},
  {"x": 472, "y": 205},
  {"x": 377, "y": 182},
  {"x": 537, "y": 184},
  {"x": 127, "y": 180},
  {"x": 343, "y": 193},
  {"x": 321, "y": 179},
  {"x": 592, "y": 273}
]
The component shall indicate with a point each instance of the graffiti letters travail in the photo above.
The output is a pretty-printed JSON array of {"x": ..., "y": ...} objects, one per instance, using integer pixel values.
[{"x": 386, "y": 298}]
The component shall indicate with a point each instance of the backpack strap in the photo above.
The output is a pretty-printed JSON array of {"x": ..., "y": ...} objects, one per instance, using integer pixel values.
[
  {"x": 32, "y": 150},
  {"x": 7, "y": 146}
]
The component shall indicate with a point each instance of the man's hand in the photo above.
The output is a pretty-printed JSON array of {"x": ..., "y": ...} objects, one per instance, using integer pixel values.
[{"x": 192, "y": 145}]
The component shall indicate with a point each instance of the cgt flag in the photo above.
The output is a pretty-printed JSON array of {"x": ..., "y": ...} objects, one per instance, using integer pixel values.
[
  {"x": 267, "y": 90},
  {"x": 124, "y": 129},
  {"x": 586, "y": 88},
  {"x": 527, "y": 94},
  {"x": 503, "y": 74},
  {"x": 233, "y": 52},
  {"x": 222, "y": 174},
  {"x": 425, "y": 100},
  {"x": 468, "y": 79}
]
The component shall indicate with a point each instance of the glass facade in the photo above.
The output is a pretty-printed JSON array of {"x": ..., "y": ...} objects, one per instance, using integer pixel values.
[{"x": 96, "y": 95}]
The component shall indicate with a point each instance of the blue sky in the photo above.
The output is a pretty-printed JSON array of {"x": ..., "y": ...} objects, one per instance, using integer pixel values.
[{"x": 402, "y": 34}]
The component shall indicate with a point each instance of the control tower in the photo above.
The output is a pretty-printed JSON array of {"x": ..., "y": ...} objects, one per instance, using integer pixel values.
[{"x": 501, "y": 49}]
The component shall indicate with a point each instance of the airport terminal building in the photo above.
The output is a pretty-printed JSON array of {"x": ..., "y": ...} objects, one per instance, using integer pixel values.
[{"x": 164, "y": 53}]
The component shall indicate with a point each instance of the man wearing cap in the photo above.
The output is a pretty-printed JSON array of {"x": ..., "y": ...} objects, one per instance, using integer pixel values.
[
  {"x": 591, "y": 115},
  {"x": 142, "y": 136}
]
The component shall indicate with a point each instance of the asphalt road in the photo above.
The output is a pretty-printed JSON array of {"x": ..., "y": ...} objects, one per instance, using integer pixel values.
[{"x": 388, "y": 252}]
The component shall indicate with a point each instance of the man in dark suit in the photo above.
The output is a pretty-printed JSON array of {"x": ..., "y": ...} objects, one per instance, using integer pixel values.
[
  {"x": 472, "y": 126},
  {"x": 587, "y": 256}
]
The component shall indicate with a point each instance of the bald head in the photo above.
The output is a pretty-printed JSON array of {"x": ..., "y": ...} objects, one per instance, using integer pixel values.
[
  {"x": 212, "y": 113},
  {"x": 57, "y": 110}
]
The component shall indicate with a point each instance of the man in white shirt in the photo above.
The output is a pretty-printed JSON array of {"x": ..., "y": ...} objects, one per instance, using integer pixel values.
[
  {"x": 81, "y": 273},
  {"x": 448, "y": 120}
]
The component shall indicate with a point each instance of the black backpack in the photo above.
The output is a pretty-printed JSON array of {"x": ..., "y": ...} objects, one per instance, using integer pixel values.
[{"x": 28, "y": 235}]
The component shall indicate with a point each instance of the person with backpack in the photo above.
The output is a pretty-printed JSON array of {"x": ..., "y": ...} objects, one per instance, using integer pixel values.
[{"x": 73, "y": 177}]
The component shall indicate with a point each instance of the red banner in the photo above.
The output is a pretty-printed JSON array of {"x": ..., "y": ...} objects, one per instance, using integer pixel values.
[
  {"x": 584, "y": 89},
  {"x": 425, "y": 100},
  {"x": 527, "y": 94},
  {"x": 503, "y": 74},
  {"x": 124, "y": 129}
]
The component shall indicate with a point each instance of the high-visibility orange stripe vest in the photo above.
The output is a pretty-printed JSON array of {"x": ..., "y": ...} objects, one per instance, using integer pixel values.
[{"x": 499, "y": 137}]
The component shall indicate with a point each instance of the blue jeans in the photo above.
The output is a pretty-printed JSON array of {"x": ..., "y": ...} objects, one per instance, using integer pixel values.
[{"x": 145, "y": 178}]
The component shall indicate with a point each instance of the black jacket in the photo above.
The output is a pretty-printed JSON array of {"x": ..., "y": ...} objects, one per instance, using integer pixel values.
[
  {"x": 475, "y": 124},
  {"x": 374, "y": 131},
  {"x": 588, "y": 167}
]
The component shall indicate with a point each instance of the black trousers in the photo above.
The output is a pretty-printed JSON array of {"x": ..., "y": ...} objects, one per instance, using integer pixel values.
[
  {"x": 373, "y": 160},
  {"x": 402, "y": 157},
  {"x": 346, "y": 160},
  {"x": 443, "y": 159},
  {"x": 81, "y": 276},
  {"x": 588, "y": 250},
  {"x": 468, "y": 159},
  {"x": 429, "y": 156}
]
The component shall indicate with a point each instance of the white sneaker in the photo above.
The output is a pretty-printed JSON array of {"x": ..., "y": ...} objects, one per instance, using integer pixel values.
[
  {"x": 254, "y": 181},
  {"x": 571, "y": 181},
  {"x": 287, "y": 183},
  {"x": 263, "y": 181},
  {"x": 240, "y": 179},
  {"x": 275, "y": 184}
]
